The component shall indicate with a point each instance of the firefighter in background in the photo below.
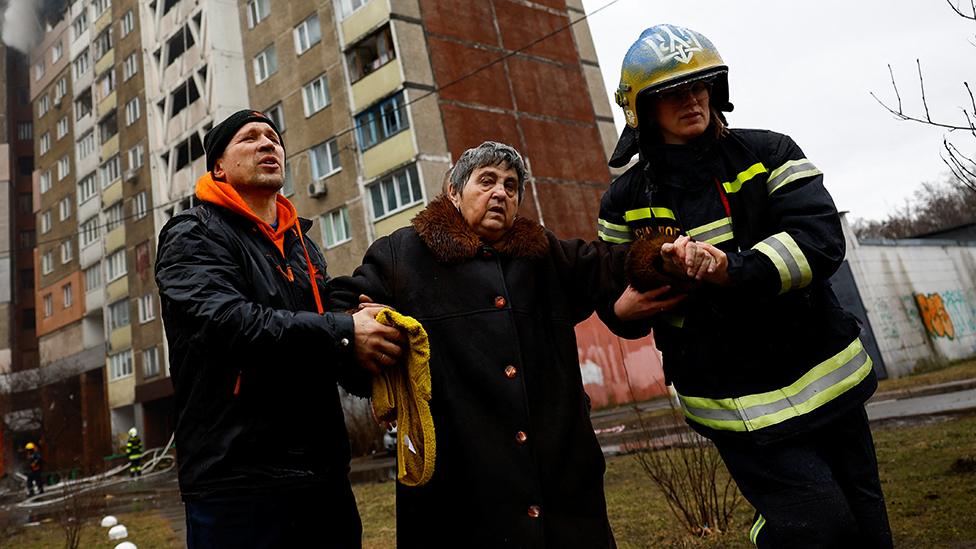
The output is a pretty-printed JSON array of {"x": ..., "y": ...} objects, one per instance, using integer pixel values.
[
  {"x": 764, "y": 360},
  {"x": 133, "y": 450},
  {"x": 34, "y": 465}
]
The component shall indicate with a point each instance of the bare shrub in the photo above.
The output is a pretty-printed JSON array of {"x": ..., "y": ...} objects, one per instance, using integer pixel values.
[
  {"x": 688, "y": 471},
  {"x": 77, "y": 505}
]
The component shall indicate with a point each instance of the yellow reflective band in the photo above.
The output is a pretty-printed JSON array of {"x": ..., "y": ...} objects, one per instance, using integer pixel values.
[
  {"x": 612, "y": 239},
  {"x": 786, "y": 255},
  {"x": 614, "y": 226},
  {"x": 754, "y": 532},
  {"x": 789, "y": 172},
  {"x": 753, "y": 171},
  {"x": 613, "y": 233},
  {"x": 818, "y": 386},
  {"x": 715, "y": 232},
  {"x": 648, "y": 213}
]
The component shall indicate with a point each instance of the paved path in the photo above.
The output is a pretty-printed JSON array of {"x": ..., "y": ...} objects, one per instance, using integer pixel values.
[{"x": 922, "y": 405}]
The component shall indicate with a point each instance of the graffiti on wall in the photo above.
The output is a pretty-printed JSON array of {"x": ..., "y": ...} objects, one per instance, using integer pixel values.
[{"x": 932, "y": 310}]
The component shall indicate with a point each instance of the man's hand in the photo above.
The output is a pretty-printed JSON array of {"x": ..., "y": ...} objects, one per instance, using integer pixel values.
[
  {"x": 633, "y": 305},
  {"x": 377, "y": 346}
]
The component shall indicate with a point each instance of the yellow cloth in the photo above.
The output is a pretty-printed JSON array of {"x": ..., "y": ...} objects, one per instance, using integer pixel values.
[{"x": 402, "y": 393}]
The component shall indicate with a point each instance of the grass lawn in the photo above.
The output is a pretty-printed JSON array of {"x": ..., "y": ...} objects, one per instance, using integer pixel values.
[
  {"x": 928, "y": 472},
  {"x": 965, "y": 369},
  {"x": 146, "y": 529}
]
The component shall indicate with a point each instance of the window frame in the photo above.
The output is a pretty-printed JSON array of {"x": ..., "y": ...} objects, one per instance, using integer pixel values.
[
  {"x": 382, "y": 185},
  {"x": 331, "y": 221},
  {"x": 308, "y": 97},
  {"x": 332, "y": 148},
  {"x": 302, "y": 46},
  {"x": 120, "y": 365},
  {"x": 263, "y": 62}
]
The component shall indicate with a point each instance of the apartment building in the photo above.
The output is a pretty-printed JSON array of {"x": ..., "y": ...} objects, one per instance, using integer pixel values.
[
  {"x": 375, "y": 99},
  {"x": 21, "y": 406}
]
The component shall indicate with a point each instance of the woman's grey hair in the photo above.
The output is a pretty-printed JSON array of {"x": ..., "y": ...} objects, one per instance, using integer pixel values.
[{"x": 489, "y": 153}]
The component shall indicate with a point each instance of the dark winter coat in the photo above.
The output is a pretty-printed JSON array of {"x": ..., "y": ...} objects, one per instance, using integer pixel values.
[
  {"x": 773, "y": 354},
  {"x": 252, "y": 362},
  {"x": 518, "y": 464}
]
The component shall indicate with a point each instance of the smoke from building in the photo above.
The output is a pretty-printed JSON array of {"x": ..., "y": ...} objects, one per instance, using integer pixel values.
[{"x": 23, "y": 21}]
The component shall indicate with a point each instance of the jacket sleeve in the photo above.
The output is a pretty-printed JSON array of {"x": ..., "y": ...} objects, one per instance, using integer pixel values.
[
  {"x": 202, "y": 281},
  {"x": 804, "y": 241},
  {"x": 374, "y": 279},
  {"x": 612, "y": 225},
  {"x": 593, "y": 273}
]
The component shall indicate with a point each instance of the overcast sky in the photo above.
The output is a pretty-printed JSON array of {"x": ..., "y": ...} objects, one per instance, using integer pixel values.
[{"x": 806, "y": 69}]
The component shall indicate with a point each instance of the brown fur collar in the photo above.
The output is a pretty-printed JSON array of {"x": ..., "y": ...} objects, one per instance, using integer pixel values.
[{"x": 445, "y": 232}]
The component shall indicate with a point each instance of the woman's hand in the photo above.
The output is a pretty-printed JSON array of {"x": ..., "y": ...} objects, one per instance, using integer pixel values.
[
  {"x": 687, "y": 257},
  {"x": 717, "y": 271},
  {"x": 634, "y": 305}
]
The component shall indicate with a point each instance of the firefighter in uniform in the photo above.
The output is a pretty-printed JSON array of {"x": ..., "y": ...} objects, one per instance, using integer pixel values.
[
  {"x": 133, "y": 450},
  {"x": 764, "y": 360},
  {"x": 34, "y": 465}
]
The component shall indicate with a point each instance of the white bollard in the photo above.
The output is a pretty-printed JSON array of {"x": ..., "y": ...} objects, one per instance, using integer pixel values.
[
  {"x": 118, "y": 532},
  {"x": 126, "y": 545},
  {"x": 109, "y": 521}
]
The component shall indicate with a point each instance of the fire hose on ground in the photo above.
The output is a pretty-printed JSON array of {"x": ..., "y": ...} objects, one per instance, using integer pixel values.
[{"x": 160, "y": 462}]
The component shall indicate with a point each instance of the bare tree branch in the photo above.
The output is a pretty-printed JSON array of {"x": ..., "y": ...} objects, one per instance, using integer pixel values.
[
  {"x": 960, "y": 13},
  {"x": 921, "y": 85}
]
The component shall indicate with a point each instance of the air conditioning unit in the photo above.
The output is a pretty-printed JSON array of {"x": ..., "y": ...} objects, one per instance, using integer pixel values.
[
  {"x": 57, "y": 100},
  {"x": 317, "y": 189},
  {"x": 130, "y": 175}
]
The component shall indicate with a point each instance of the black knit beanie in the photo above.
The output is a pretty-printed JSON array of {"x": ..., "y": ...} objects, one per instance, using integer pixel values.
[{"x": 220, "y": 135}]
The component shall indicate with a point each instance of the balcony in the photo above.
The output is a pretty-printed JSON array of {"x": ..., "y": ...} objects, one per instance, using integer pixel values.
[
  {"x": 364, "y": 19},
  {"x": 120, "y": 339},
  {"x": 117, "y": 289},
  {"x": 376, "y": 85},
  {"x": 389, "y": 224},
  {"x": 121, "y": 392},
  {"x": 115, "y": 239},
  {"x": 389, "y": 154},
  {"x": 110, "y": 147},
  {"x": 106, "y": 62}
]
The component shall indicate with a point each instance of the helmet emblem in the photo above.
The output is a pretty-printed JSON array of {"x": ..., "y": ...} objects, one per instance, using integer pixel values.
[{"x": 674, "y": 43}]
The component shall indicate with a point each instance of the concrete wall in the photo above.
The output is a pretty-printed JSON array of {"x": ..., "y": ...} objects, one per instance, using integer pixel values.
[{"x": 920, "y": 296}]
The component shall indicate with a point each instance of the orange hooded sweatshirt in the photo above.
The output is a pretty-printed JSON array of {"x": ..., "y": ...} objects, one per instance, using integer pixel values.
[{"x": 224, "y": 195}]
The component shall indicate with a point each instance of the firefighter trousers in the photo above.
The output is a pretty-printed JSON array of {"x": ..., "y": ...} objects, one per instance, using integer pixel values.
[{"x": 817, "y": 490}]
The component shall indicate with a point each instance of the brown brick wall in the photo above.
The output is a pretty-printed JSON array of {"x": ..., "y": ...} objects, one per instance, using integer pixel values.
[{"x": 537, "y": 100}]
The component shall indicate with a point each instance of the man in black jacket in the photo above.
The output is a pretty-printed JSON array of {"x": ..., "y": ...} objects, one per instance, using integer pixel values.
[{"x": 263, "y": 449}]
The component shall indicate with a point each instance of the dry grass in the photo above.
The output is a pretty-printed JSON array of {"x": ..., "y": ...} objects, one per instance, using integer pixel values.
[
  {"x": 965, "y": 369},
  {"x": 146, "y": 529},
  {"x": 928, "y": 470}
]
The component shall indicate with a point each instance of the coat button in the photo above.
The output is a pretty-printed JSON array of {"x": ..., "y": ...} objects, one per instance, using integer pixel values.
[
  {"x": 499, "y": 302},
  {"x": 535, "y": 511},
  {"x": 521, "y": 437},
  {"x": 511, "y": 371}
]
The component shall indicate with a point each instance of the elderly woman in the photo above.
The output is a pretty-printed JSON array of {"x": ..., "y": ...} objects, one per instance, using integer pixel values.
[
  {"x": 765, "y": 361},
  {"x": 517, "y": 462}
]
